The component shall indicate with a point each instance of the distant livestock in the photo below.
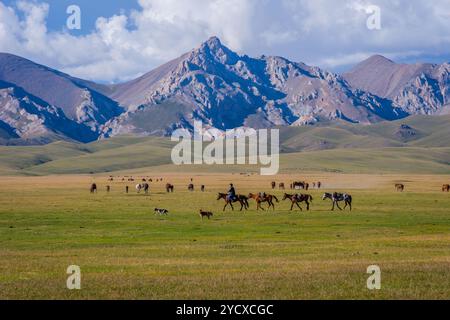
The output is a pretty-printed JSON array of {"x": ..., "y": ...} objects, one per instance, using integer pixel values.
[
  {"x": 399, "y": 187},
  {"x": 93, "y": 188},
  {"x": 446, "y": 188},
  {"x": 169, "y": 188}
]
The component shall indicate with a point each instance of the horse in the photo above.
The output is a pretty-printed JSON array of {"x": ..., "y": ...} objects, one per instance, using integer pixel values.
[
  {"x": 400, "y": 187},
  {"x": 169, "y": 187},
  {"x": 93, "y": 188},
  {"x": 141, "y": 186},
  {"x": 273, "y": 184},
  {"x": 339, "y": 197},
  {"x": 300, "y": 185},
  {"x": 446, "y": 188},
  {"x": 191, "y": 187},
  {"x": 203, "y": 188},
  {"x": 297, "y": 199},
  {"x": 281, "y": 186},
  {"x": 319, "y": 185},
  {"x": 243, "y": 201},
  {"x": 260, "y": 198}
]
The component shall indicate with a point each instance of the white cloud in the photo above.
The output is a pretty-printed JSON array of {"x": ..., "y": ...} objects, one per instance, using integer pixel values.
[{"x": 324, "y": 32}]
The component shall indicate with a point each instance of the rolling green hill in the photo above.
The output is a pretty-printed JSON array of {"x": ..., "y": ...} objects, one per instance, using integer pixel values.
[{"x": 418, "y": 144}]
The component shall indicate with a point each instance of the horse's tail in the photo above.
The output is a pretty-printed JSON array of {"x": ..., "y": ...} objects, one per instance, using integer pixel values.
[{"x": 276, "y": 199}]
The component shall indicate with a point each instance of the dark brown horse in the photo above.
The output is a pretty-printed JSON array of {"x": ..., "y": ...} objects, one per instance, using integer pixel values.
[
  {"x": 296, "y": 199},
  {"x": 400, "y": 187},
  {"x": 93, "y": 188},
  {"x": 446, "y": 188},
  {"x": 243, "y": 201},
  {"x": 260, "y": 198},
  {"x": 169, "y": 187},
  {"x": 191, "y": 187},
  {"x": 281, "y": 186},
  {"x": 273, "y": 184}
]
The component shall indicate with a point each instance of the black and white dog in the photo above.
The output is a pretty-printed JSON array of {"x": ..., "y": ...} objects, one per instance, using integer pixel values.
[{"x": 161, "y": 212}]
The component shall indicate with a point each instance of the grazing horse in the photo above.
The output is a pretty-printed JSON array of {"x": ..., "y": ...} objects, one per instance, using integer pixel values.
[
  {"x": 297, "y": 199},
  {"x": 273, "y": 184},
  {"x": 400, "y": 187},
  {"x": 93, "y": 188},
  {"x": 142, "y": 186},
  {"x": 339, "y": 197},
  {"x": 191, "y": 187},
  {"x": 203, "y": 188},
  {"x": 300, "y": 185},
  {"x": 281, "y": 186},
  {"x": 169, "y": 187},
  {"x": 446, "y": 188},
  {"x": 243, "y": 200},
  {"x": 260, "y": 198}
]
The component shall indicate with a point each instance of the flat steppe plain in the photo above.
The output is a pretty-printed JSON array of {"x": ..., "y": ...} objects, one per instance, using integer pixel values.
[{"x": 126, "y": 252}]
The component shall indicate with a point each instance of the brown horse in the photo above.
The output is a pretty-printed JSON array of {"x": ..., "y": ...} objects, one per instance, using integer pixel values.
[
  {"x": 260, "y": 198},
  {"x": 169, "y": 187},
  {"x": 297, "y": 199},
  {"x": 93, "y": 188},
  {"x": 446, "y": 188},
  {"x": 281, "y": 186},
  {"x": 243, "y": 201},
  {"x": 273, "y": 184},
  {"x": 400, "y": 187},
  {"x": 191, "y": 187}
]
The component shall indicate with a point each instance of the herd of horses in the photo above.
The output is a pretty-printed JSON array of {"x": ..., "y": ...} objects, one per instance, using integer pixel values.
[
  {"x": 295, "y": 199},
  {"x": 263, "y": 198}
]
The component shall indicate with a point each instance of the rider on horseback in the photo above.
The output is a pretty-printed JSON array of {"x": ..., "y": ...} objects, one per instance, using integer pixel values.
[{"x": 231, "y": 193}]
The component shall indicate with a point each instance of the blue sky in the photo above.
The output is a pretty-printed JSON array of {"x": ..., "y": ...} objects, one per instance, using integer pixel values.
[{"x": 121, "y": 39}]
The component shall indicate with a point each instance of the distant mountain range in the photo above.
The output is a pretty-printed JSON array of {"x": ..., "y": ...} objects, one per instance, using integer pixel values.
[{"x": 217, "y": 86}]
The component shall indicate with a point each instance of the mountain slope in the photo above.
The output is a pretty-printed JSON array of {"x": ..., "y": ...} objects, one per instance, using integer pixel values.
[
  {"x": 74, "y": 97},
  {"x": 421, "y": 88},
  {"x": 24, "y": 116},
  {"x": 416, "y": 144},
  {"x": 225, "y": 90}
]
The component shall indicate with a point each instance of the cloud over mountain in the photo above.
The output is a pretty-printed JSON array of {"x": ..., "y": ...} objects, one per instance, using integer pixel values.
[{"x": 320, "y": 32}]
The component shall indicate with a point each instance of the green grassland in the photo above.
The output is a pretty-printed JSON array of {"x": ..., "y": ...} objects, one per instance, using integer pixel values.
[
  {"x": 342, "y": 147},
  {"x": 125, "y": 252},
  {"x": 49, "y": 220}
]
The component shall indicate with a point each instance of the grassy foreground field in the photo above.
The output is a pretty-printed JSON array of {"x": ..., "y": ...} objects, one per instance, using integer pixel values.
[{"x": 125, "y": 252}]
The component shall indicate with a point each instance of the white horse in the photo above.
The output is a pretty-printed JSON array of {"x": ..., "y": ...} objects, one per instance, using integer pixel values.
[{"x": 142, "y": 186}]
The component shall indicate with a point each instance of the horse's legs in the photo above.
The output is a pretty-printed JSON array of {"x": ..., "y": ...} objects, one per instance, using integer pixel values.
[
  {"x": 226, "y": 203},
  {"x": 337, "y": 204},
  {"x": 259, "y": 206},
  {"x": 298, "y": 205},
  {"x": 307, "y": 205},
  {"x": 231, "y": 204},
  {"x": 292, "y": 205}
]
